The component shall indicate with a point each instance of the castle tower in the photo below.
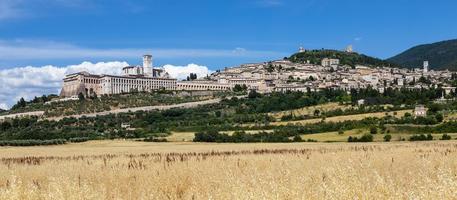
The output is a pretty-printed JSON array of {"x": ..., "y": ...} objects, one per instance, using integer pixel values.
[
  {"x": 349, "y": 49},
  {"x": 147, "y": 66},
  {"x": 425, "y": 67}
]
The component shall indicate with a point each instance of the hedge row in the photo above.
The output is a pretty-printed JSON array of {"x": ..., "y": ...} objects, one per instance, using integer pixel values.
[
  {"x": 41, "y": 142},
  {"x": 32, "y": 142}
]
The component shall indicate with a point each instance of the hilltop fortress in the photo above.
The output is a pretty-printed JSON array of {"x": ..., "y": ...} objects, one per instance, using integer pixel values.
[{"x": 275, "y": 76}]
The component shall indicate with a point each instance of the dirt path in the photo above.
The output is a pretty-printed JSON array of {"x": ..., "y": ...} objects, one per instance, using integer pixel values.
[{"x": 18, "y": 115}]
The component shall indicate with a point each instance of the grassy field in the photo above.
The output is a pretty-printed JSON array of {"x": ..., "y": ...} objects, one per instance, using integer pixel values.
[
  {"x": 137, "y": 170},
  {"x": 335, "y": 137},
  {"x": 319, "y": 137},
  {"x": 310, "y": 110},
  {"x": 343, "y": 118}
]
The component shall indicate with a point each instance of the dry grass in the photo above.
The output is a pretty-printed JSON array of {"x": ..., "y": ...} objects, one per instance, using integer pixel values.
[
  {"x": 180, "y": 136},
  {"x": 450, "y": 116},
  {"x": 133, "y": 170},
  {"x": 310, "y": 110}
]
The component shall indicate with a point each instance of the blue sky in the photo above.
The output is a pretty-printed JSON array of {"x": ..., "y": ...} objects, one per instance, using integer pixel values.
[
  {"x": 42, "y": 40},
  {"x": 213, "y": 33}
]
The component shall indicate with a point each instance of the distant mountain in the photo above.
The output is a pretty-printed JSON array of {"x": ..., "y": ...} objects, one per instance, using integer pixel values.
[
  {"x": 346, "y": 58},
  {"x": 441, "y": 55}
]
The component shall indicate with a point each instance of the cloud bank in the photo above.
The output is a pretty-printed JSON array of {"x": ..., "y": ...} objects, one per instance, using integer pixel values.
[
  {"x": 181, "y": 72},
  {"x": 30, "y": 81}
]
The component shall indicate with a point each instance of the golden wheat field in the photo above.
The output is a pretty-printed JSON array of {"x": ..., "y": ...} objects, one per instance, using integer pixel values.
[{"x": 137, "y": 170}]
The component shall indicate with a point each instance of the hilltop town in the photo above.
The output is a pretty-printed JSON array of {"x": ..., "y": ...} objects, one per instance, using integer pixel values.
[
  {"x": 307, "y": 70},
  {"x": 286, "y": 75}
]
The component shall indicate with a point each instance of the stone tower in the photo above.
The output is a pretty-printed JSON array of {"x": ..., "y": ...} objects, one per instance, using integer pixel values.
[
  {"x": 349, "y": 49},
  {"x": 425, "y": 67},
  {"x": 147, "y": 66}
]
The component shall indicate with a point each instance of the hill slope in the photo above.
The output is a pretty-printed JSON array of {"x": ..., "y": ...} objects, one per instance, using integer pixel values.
[
  {"x": 346, "y": 58},
  {"x": 441, "y": 55}
]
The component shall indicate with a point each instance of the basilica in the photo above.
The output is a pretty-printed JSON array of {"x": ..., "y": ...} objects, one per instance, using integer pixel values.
[{"x": 134, "y": 78}]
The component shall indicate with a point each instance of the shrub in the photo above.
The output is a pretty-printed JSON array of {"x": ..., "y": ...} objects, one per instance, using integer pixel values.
[
  {"x": 287, "y": 117},
  {"x": 387, "y": 138},
  {"x": 153, "y": 139},
  {"x": 439, "y": 117},
  {"x": 340, "y": 132},
  {"x": 297, "y": 138},
  {"x": 373, "y": 130},
  {"x": 241, "y": 136},
  {"x": 253, "y": 94},
  {"x": 421, "y": 137},
  {"x": 32, "y": 142},
  {"x": 78, "y": 139},
  {"x": 364, "y": 138},
  {"x": 445, "y": 137}
]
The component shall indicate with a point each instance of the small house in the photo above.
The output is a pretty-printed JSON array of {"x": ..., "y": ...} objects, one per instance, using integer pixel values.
[{"x": 420, "y": 111}]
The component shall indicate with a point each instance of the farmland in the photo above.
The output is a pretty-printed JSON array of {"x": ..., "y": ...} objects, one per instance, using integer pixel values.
[{"x": 139, "y": 170}]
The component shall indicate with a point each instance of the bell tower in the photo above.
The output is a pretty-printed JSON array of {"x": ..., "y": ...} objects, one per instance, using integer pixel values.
[{"x": 147, "y": 65}]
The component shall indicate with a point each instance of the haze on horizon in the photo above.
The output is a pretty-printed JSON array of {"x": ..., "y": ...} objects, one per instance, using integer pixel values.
[{"x": 211, "y": 34}]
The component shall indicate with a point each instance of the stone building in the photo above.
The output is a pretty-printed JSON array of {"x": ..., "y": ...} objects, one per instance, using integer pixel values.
[
  {"x": 420, "y": 111},
  {"x": 330, "y": 62},
  {"x": 134, "y": 79},
  {"x": 200, "y": 86},
  {"x": 94, "y": 85}
]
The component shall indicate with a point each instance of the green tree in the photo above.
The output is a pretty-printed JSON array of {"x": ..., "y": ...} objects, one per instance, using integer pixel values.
[
  {"x": 445, "y": 137},
  {"x": 253, "y": 94},
  {"x": 373, "y": 130},
  {"x": 387, "y": 138},
  {"x": 407, "y": 114},
  {"x": 81, "y": 96},
  {"x": 340, "y": 132},
  {"x": 439, "y": 117},
  {"x": 20, "y": 104},
  {"x": 297, "y": 138}
]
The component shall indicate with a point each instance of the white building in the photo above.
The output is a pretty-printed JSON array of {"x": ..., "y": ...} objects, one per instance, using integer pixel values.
[
  {"x": 134, "y": 79},
  {"x": 329, "y": 62},
  {"x": 425, "y": 70},
  {"x": 420, "y": 111}
]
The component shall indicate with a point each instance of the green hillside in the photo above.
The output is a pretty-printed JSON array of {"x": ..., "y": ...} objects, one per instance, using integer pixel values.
[
  {"x": 441, "y": 55},
  {"x": 346, "y": 58}
]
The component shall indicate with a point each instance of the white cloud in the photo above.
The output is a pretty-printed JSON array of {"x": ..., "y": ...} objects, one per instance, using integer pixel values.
[
  {"x": 181, "y": 72},
  {"x": 29, "y": 81},
  {"x": 3, "y": 106}
]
